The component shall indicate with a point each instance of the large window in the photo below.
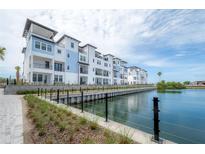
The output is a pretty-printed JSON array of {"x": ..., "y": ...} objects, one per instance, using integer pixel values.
[
  {"x": 34, "y": 77},
  {"x": 58, "y": 78},
  {"x": 82, "y": 58},
  {"x": 58, "y": 67},
  {"x": 98, "y": 62},
  {"x": 37, "y": 77},
  {"x": 49, "y": 48},
  {"x": 40, "y": 77},
  {"x": 55, "y": 78},
  {"x": 37, "y": 45},
  {"x": 43, "y": 46},
  {"x": 105, "y": 64}
]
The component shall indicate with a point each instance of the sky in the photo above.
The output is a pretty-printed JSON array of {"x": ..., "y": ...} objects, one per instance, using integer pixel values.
[{"x": 169, "y": 41}]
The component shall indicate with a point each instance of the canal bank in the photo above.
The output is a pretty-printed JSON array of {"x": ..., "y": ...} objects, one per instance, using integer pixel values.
[
  {"x": 70, "y": 98},
  {"x": 135, "y": 134}
]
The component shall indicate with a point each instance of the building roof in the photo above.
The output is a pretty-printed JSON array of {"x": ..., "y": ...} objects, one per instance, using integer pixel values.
[
  {"x": 116, "y": 58},
  {"x": 124, "y": 61},
  {"x": 108, "y": 55},
  {"x": 28, "y": 24},
  {"x": 89, "y": 45},
  {"x": 134, "y": 67},
  {"x": 62, "y": 37}
]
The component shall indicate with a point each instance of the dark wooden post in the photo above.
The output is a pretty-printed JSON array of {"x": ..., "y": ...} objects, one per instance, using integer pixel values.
[
  {"x": 156, "y": 119},
  {"x": 58, "y": 92},
  {"x": 106, "y": 107},
  {"x": 82, "y": 100}
]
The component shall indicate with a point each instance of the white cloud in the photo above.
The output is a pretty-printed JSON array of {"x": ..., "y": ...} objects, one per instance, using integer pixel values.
[{"x": 112, "y": 31}]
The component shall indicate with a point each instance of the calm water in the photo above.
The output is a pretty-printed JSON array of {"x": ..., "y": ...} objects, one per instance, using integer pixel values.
[{"x": 182, "y": 115}]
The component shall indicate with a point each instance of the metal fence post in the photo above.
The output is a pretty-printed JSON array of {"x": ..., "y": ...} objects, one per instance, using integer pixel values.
[
  {"x": 7, "y": 81},
  {"x": 58, "y": 91},
  {"x": 45, "y": 93},
  {"x": 106, "y": 107},
  {"x": 51, "y": 94},
  {"x": 82, "y": 100},
  {"x": 67, "y": 97},
  {"x": 41, "y": 92},
  {"x": 156, "y": 119},
  {"x": 38, "y": 91}
]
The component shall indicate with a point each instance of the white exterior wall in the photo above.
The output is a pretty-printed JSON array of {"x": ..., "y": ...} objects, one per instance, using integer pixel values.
[{"x": 72, "y": 74}]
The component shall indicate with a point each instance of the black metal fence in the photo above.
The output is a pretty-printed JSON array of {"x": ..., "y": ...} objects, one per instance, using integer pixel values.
[{"x": 55, "y": 95}]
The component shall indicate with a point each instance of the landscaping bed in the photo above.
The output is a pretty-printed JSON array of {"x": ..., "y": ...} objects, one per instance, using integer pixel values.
[{"x": 52, "y": 124}]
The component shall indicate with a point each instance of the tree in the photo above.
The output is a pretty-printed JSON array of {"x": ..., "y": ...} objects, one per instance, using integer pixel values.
[
  {"x": 2, "y": 53},
  {"x": 159, "y": 74},
  {"x": 17, "y": 73},
  {"x": 186, "y": 82}
]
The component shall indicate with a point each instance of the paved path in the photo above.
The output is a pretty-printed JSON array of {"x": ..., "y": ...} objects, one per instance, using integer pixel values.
[{"x": 11, "y": 119}]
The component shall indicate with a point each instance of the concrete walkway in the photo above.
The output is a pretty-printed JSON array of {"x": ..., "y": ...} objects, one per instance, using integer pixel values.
[{"x": 11, "y": 119}]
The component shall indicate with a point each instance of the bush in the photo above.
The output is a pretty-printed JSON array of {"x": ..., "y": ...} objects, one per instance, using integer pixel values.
[
  {"x": 170, "y": 85},
  {"x": 24, "y": 92}
]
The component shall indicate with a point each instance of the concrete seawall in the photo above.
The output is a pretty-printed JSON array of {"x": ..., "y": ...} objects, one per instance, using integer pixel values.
[
  {"x": 12, "y": 89},
  {"x": 76, "y": 98}
]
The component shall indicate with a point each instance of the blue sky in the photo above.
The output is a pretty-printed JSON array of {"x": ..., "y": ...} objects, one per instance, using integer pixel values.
[{"x": 170, "y": 41}]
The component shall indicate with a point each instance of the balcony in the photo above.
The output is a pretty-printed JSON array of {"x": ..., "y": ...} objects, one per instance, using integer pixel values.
[{"x": 42, "y": 66}]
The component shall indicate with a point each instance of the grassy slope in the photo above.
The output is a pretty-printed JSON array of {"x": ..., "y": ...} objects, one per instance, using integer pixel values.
[{"x": 57, "y": 125}]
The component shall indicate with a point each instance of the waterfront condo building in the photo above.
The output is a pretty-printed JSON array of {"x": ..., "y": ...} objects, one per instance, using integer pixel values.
[{"x": 64, "y": 61}]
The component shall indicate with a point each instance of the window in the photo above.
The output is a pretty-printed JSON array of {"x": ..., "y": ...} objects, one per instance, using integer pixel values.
[
  {"x": 93, "y": 60},
  {"x": 43, "y": 46},
  {"x": 58, "y": 67},
  {"x": 40, "y": 77},
  {"x": 109, "y": 65},
  {"x": 98, "y": 62},
  {"x": 82, "y": 58},
  {"x": 59, "y": 51},
  {"x": 49, "y": 48},
  {"x": 37, "y": 44},
  {"x": 72, "y": 45},
  {"x": 34, "y": 77},
  {"x": 93, "y": 69},
  {"x": 68, "y": 55},
  {"x": 105, "y": 64},
  {"x": 56, "y": 78},
  {"x": 46, "y": 64},
  {"x": 60, "y": 78},
  {"x": 68, "y": 67}
]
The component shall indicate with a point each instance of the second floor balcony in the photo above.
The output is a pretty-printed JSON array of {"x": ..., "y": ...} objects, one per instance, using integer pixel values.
[{"x": 42, "y": 66}]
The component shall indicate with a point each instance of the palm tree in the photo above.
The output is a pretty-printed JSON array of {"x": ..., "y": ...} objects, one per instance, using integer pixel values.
[
  {"x": 17, "y": 68},
  {"x": 2, "y": 53},
  {"x": 159, "y": 74}
]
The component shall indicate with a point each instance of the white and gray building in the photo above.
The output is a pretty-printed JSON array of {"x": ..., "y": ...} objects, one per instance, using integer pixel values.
[{"x": 47, "y": 61}]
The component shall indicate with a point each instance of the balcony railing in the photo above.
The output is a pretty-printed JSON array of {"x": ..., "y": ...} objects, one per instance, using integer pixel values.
[
  {"x": 83, "y": 71},
  {"x": 43, "y": 66},
  {"x": 98, "y": 73}
]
